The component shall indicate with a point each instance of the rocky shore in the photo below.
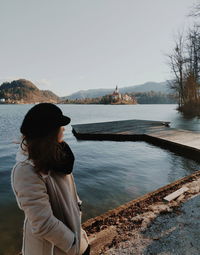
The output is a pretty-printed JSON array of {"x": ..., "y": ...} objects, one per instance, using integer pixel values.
[{"x": 150, "y": 225}]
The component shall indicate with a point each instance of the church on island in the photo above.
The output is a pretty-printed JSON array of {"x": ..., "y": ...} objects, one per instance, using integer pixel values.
[{"x": 117, "y": 97}]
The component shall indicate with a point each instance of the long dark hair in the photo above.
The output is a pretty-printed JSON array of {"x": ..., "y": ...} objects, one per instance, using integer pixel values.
[{"x": 43, "y": 151}]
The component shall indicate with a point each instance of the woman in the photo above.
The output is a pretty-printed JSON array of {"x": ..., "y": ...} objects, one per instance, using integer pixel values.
[{"x": 44, "y": 187}]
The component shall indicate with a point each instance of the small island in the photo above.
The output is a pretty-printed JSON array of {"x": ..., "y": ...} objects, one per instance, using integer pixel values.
[{"x": 117, "y": 98}]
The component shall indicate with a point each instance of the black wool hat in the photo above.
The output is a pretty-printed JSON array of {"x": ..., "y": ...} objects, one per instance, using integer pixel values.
[{"x": 41, "y": 119}]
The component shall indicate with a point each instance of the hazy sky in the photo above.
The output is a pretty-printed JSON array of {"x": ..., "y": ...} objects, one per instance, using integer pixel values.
[{"x": 67, "y": 46}]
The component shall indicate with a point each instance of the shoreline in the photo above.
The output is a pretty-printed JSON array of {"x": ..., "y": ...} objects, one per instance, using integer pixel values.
[{"x": 119, "y": 228}]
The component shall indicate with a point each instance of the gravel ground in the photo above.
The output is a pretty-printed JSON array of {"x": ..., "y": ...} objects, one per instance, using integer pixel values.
[{"x": 176, "y": 232}]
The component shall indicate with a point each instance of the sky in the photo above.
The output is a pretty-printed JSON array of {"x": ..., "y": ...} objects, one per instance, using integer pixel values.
[{"x": 67, "y": 46}]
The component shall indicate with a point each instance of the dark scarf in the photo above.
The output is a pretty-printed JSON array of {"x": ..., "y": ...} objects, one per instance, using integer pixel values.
[{"x": 65, "y": 165}]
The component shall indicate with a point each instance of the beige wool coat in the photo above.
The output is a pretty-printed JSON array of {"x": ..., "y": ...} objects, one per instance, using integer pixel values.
[{"x": 52, "y": 215}]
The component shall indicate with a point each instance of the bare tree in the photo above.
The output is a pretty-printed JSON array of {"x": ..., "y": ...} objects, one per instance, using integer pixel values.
[
  {"x": 184, "y": 62},
  {"x": 195, "y": 10},
  {"x": 176, "y": 62},
  {"x": 192, "y": 73}
]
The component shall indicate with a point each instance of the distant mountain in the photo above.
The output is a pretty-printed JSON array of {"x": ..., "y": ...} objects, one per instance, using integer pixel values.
[
  {"x": 146, "y": 87},
  {"x": 24, "y": 91}
]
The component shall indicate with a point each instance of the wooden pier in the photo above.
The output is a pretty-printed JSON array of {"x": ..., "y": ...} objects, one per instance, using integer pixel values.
[{"x": 159, "y": 133}]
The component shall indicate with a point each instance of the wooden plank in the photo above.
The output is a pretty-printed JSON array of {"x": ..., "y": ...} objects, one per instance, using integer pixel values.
[
  {"x": 182, "y": 137},
  {"x": 175, "y": 194},
  {"x": 134, "y": 125}
]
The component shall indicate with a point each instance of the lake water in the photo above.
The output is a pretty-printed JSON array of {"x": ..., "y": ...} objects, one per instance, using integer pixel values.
[{"x": 107, "y": 173}]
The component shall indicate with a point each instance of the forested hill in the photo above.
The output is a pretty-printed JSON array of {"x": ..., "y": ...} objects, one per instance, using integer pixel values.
[{"x": 24, "y": 91}]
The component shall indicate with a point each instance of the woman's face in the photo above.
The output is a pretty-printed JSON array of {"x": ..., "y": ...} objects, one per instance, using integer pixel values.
[{"x": 61, "y": 134}]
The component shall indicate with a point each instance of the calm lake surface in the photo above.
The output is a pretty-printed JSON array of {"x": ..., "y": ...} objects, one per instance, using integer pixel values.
[{"x": 107, "y": 173}]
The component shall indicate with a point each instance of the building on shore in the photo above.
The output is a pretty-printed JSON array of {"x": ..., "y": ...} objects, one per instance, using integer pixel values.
[{"x": 117, "y": 96}]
